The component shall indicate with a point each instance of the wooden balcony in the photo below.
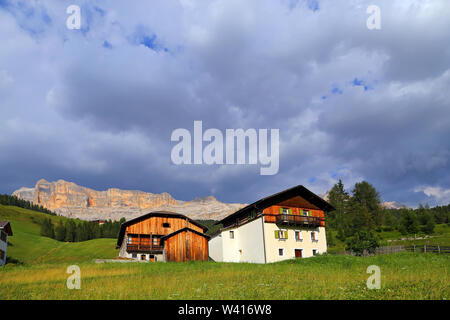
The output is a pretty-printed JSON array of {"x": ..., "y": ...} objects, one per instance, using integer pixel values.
[
  {"x": 144, "y": 247},
  {"x": 296, "y": 220}
]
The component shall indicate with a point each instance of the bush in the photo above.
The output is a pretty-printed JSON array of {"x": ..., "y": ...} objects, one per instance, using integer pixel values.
[{"x": 362, "y": 240}]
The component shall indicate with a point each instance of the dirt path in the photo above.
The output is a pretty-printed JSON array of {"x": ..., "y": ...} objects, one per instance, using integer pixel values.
[{"x": 49, "y": 253}]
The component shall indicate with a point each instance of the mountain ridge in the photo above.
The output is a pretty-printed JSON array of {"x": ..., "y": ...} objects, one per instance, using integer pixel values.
[{"x": 71, "y": 200}]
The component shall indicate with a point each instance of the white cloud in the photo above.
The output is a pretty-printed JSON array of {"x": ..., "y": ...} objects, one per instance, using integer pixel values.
[{"x": 439, "y": 195}]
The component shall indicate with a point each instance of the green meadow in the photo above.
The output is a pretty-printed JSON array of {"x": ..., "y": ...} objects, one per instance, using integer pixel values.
[{"x": 38, "y": 270}]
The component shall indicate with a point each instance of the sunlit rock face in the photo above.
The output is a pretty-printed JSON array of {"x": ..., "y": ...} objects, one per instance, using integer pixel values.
[{"x": 71, "y": 200}]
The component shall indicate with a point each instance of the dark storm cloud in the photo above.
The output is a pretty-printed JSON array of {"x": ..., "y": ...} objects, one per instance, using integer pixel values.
[{"x": 98, "y": 107}]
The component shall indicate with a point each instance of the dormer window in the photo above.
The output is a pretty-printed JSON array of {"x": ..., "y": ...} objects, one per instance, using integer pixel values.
[{"x": 166, "y": 225}]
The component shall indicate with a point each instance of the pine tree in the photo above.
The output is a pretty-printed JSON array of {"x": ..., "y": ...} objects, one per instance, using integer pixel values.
[
  {"x": 70, "y": 231},
  {"x": 369, "y": 200},
  {"x": 338, "y": 198},
  {"x": 409, "y": 222},
  {"x": 47, "y": 228},
  {"x": 60, "y": 232}
]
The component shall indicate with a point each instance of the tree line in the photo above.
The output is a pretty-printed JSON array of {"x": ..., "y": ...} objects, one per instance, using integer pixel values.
[
  {"x": 7, "y": 200},
  {"x": 359, "y": 216},
  {"x": 77, "y": 230}
]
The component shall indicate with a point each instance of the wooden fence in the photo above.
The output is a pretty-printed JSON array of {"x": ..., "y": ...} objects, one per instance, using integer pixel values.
[
  {"x": 393, "y": 249},
  {"x": 428, "y": 248}
]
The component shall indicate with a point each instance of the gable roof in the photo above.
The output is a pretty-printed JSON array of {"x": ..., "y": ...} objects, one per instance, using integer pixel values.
[
  {"x": 282, "y": 196},
  {"x": 6, "y": 227},
  {"x": 182, "y": 230},
  {"x": 154, "y": 214}
]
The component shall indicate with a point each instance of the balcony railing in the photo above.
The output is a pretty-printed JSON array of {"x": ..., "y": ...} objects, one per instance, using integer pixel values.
[
  {"x": 144, "y": 247},
  {"x": 297, "y": 220}
]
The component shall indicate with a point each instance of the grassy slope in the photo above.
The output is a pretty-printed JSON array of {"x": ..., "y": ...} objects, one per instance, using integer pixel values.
[
  {"x": 403, "y": 276},
  {"x": 27, "y": 246}
]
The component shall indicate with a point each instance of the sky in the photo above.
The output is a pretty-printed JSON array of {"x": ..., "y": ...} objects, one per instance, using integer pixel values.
[{"x": 97, "y": 105}]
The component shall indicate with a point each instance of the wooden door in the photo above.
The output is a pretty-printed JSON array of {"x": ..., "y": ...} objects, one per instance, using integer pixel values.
[{"x": 298, "y": 253}]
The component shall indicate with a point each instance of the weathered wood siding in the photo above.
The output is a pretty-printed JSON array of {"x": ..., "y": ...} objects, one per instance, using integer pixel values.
[
  {"x": 154, "y": 225},
  {"x": 275, "y": 210},
  {"x": 186, "y": 246}
]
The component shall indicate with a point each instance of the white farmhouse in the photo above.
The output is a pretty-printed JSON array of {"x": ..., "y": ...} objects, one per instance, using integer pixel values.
[{"x": 289, "y": 224}]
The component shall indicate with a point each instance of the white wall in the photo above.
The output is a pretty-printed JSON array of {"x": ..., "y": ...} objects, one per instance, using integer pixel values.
[
  {"x": 290, "y": 244},
  {"x": 247, "y": 245},
  {"x": 215, "y": 248},
  {"x": 3, "y": 246}
]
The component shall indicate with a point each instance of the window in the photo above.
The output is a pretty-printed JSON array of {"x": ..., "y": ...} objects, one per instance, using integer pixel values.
[
  {"x": 315, "y": 252},
  {"x": 252, "y": 214},
  {"x": 166, "y": 225},
  {"x": 231, "y": 234},
  {"x": 313, "y": 236},
  {"x": 285, "y": 211},
  {"x": 281, "y": 234},
  {"x": 298, "y": 235},
  {"x": 134, "y": 255},
  {"x": 306, "y": 212},
  {"x": 3, "y": 236},
  {"x": 281, "y": 252},
  {"x": 155, "y": 241},
  {"x": 2, "y": 254},
  {"x": 129, "y": 240},
  {"x": 143, "y": 257}
]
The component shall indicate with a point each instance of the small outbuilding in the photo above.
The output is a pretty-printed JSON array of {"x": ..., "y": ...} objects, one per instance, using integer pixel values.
[
  {"x": 163, "y": 236},
  {"x": 5, "y": 232}
]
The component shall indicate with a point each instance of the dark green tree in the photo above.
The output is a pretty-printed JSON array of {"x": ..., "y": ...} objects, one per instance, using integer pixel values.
[
  {"x": 428, "y": 227},
  {"x": 60, "y": 231},
  {"x": 47, "y": 228},
  {"x": 362, "y": 240},
  {"x": 409, "y": 222},
  {"x": 368, "y": 199}
]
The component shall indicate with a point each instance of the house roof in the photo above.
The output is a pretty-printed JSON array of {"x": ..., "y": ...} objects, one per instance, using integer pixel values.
[
  {"x": 154, "y": 214},
  {"x": 183, "y": 230},
  {"x": 6, "y": 227},
  {"x": 282, "y": 196}
]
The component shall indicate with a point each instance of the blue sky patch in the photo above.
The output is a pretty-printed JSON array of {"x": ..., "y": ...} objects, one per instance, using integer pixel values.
[
  {"x": 107, "y": 45},
  {"x": 361, "y": 83}
]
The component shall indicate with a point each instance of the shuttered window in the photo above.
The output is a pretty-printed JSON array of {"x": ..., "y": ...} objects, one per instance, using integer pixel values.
[
  {"x": 305, "y": 213},
  {"x": 298, "y": 235},
  {"x": 281, "y": 234},
  {"x": 285, "y": 210}
]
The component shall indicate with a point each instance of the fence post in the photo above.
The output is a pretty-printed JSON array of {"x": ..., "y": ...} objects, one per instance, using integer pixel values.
[
  {"x": 425, "y": 248},
  {"x": 439, "y": 249}
]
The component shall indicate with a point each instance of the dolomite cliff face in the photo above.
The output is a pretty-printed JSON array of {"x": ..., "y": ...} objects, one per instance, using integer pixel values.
[
  {"x": 71, "y": 200},
  {"x": 63, "y": 194}
]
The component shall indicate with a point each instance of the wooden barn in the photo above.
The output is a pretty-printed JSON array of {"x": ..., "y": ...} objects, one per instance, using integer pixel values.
[{"x": 163, "y": 236}]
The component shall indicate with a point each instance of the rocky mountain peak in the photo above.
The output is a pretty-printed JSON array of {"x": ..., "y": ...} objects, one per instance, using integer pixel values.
[{"x": 71, "y": 200}]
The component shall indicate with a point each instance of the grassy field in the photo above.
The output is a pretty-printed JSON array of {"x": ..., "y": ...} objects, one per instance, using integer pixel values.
[
  {"x": 39, "y": 272},
  {"x": 403, "y": 276}
]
